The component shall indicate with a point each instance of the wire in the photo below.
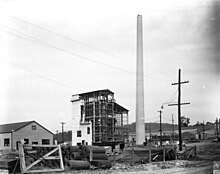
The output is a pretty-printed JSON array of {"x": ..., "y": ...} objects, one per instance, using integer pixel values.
[
  {"x": 23, "y": 35},
  {"x": 38, "y": 75},
  {"x": 63, "y": 50},
  {"x": 172, "y": 98},
  {"x": 68, "y": 38},
  {"x": 63, "y": 36}
]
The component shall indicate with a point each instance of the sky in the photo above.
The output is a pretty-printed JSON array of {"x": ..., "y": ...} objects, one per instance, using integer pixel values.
[{"x": 53, "y": 49}]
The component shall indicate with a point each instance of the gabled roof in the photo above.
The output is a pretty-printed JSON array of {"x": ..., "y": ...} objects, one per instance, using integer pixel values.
[{"x": 12, "y": 127}]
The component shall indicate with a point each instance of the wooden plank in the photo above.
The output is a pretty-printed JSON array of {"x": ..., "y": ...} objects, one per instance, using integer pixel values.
[
  {"x": 40, "y": 145},
  {"x": 132, "y": 153},
  {"x": 61, "y": 158},
  {"x": 22, "y": 158},
  {"x": 44, "y": 170},
  {"x": 164, "y": 153},
  {"x": 91, "y": 155},
  {"x": 190, "y": 153},
  {"x": 195, "y": 151},
  {"x": 52, "y": 158}
]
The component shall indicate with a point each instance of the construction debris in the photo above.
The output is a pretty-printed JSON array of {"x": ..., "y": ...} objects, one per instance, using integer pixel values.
[
  {"x": 9, "y": 161},
  {"x": 80, "y": 157}
]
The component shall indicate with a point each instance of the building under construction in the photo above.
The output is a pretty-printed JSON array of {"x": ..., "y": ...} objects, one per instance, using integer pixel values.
[{"x": 98, "y": 119}]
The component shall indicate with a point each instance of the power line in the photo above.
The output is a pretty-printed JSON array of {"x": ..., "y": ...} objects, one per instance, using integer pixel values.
[
  {"x": 37, "y": 74},
  {"x": 23, "y": 35},
  {"x": 63, "y": 50},
  {"x": 68, "y": 38},
  {"x": 63, "y": 36}
]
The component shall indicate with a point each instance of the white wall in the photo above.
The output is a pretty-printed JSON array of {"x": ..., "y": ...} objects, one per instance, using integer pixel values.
[
  {"x": 76, "y": 111},
  {"x": 2, "y": 137}
]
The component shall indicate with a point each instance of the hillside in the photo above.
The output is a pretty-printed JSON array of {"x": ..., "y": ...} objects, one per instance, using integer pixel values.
[{"x": 166, "y": 127}]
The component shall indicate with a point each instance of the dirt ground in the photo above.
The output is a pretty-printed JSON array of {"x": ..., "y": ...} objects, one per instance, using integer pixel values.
[
  {"x": 208, "y": 152},
  {"x": 208, "y": 155},
  {"x": 179, "y": 166}
]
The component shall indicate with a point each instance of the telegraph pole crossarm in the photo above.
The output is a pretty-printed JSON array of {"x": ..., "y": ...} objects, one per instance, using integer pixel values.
[
  {"x": 174, "y": 104},
  {"x": 180, "y": 83}
]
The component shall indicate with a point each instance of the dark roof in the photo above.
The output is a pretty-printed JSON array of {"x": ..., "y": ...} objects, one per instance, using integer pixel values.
[
  {"x": 103, "y": 90},
  {"x": 8, "y": 128},
  {"x": 117, "y": 106}
]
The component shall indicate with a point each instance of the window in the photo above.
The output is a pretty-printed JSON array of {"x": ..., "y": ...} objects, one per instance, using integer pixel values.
[
  {"x": 83, "y": 142},
  {"x": 26, "y": 141},
  {"x": 45, "y": 141},
  {"x": 88, "y": 130},
  {"x": 33, "y": 127},
  {"x": 6, "y": 142},
  {"x": 79, "y": 133},
  {"x": 34, "y": 142}
]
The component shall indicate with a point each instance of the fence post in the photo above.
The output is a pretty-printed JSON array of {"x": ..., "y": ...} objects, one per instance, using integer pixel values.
[
  {"x": 21, "y": 156},
  {"x": 132, "y": 156},
  {"x": 195, "y": 151},
  {"x": 164, "y": 153},
  {"x": 175, "y": 152},
  {"x": 91, "y": 155},
  {"x": 149, "y": 153},
  {"x": 185, "y": 153},
  {"x": 113, "y": 157}
]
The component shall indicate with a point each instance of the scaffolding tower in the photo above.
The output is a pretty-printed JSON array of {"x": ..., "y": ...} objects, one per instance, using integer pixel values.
[{"x": 109, "y": 119}]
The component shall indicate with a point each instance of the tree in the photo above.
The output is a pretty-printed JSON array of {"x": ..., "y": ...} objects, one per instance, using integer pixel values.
[{"x": 185, "y": 121}]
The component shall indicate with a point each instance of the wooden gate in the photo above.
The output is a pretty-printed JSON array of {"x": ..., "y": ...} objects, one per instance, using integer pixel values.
[{"x": 40, "y": 158}]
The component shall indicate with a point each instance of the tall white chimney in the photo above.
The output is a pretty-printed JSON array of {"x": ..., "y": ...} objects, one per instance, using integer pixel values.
[{"x": 140, "y": 117}]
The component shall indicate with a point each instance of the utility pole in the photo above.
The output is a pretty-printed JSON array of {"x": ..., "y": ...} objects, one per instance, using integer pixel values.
[
  {"x": 62, "y": 131},
  {"x": 173, "y": 124},
  {"x": 160, "y": 128},
  {"x": 203, "y": 129},
  {"x": 197, "y": 127},
  {"x": 216, "y": 127},
  {"x": 179, "y": 106}
]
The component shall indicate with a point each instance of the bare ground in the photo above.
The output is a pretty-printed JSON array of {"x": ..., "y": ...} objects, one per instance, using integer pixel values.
[{"x": 207, "y": 153}]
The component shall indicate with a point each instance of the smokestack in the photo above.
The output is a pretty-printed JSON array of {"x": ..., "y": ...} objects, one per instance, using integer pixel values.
[{"x": 140, "y": 120}]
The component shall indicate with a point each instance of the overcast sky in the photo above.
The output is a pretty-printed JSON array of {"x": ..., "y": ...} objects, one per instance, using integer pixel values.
[{"x": 52, "y": 49}]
